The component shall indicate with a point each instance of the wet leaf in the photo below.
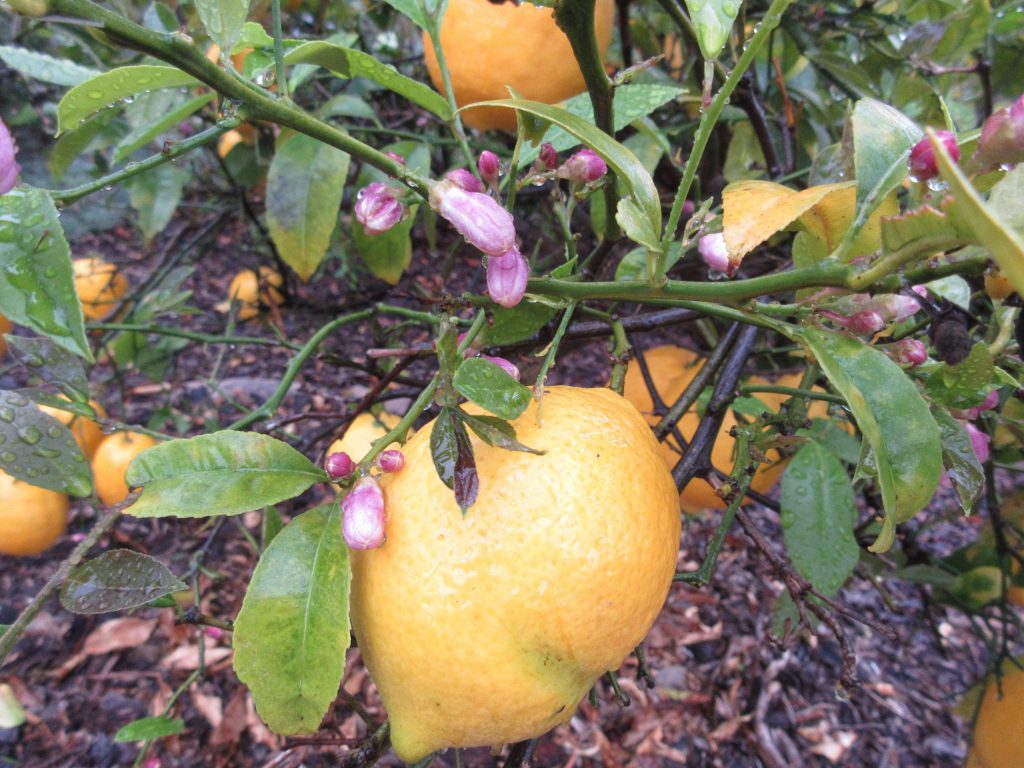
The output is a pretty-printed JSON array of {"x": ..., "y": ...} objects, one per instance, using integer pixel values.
[
  {"x": 965, "y": 384},
  {"x": 893, "y": 418},
  {"x": 712, "y": 21},
  {"x": 155, "y": 194},
  {"x": 113, "y": 87},
  {"x": 223, "y": 20},
  {"x": 960, "y": 461},
  {"x": 147, "y": 728},
  {"x": 37, "y": 287},
  {"x": 292, "y": 632},
  {"x": 223, "y": 473},
  {"x": 116, "y": 581},
  {"x": 487, "y": 385},
  {"x": 45, "y": 68},
  {"x": 52, "y": 364},
  {"x": 496, "y": 432},
  {"x": 38, "y": 449},
  {"x": 144, "y": 134},
  {"x": 304, "y": 190},
  {"x": 819, "y": 511},
  {"x": 453, "y": 457},
  {"x": 518, "y": 323}
]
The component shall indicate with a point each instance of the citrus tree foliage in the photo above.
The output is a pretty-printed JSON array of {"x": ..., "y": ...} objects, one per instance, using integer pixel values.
[{"x": 835, "y": 189}]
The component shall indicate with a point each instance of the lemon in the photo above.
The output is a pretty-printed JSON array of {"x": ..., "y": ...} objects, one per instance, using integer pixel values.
[
  {"x": 110, "y": 461},
  {"x": 362, "y": 431},
  {"x": 87, "y": 433},
  {"x": 6, "y": 326},
  {"x": 32, "y": 519},
  {"x": 254, "y": 292},
  {"x": 490, "y": 627},
  {"x": 999, "y": 729},
  {"x": 99, "y": 285},
  {"x": 490, "y": 46}
]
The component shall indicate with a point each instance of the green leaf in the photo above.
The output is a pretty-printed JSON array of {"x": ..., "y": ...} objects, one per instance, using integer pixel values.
[
  {"x": 413, "y": 9},
  {"x": 113, "y": 87},
  {"x": 155, "y": 194},
  {"x": 223, "y": 19},
  {"x": 388, "y": 254},
  {"x": 116, "y": 581},
  {"x": 973, "y": 215},
  {"x": 38, "y": 449},
  {"x": 960, "y": 460},
  {"x": 922, "y": 223},
  {"x": 518, "y": 323},
  {"x": 292, "y": 632},
  {"x": 12, "y": 714},
  {"x": 819, "y": 512},
  {"x": 270, "y": 527},
  {"x": 953, "y": 289},
  {"x": 496, "y": 432},
  {"x": 894, "y": 419},
  {"x": 349, "y": 63},
  {"x": 712, "y": 20},
  {"x": 224, "y": 473},
  {"x": 145, "y": 134},
  {"x": 304, "y": 189},
  {"x": 52, "y": 364},
  {"x": 629, "y": 169},
  {"x": 491, "y": 388},
  {"x": 148, "y": 728},
  {"x": 45, "y": 68},
  {"x": 452, "y": 452},
  {"x": 965, "y": 384},
  {"x": 37, "y": 286},
  {"x": 71, "y": 144}
]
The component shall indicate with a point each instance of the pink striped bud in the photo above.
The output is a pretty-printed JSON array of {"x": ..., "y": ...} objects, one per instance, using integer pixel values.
[
  {"x": 362, "y": 520},
  {"x": 548, "y": 157},
  {"x": 891, "y": 307},
  {"x": 712, "y": 249},
  {"x": 396, "y": 157},
  {"x": 378, "y": 208},
  {"x": 1002, "y": 137},
  {"x": 865, "y": 323},
  {"x": 923, "y": 165},
  {"x": 9, "y": 169},
  {"x": 477, "y": 217},
  {"x": 390, "y": 461},
  {"x": 338, "y": 466},
  {"x": 583, "y": 167},
  {"x": 489, "y": 166},
  {"x": 506, "y": 365},
  {"x": 979, "y": 442},
  {"x": 506, "y": 277},
  {"x": 909, "y": 352},
  {"x": 464, "y": 179}
]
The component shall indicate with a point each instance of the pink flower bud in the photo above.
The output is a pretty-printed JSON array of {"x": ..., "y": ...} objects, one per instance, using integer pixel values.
[
  {"x": 715, "y": 254},
  {"x": 865, "y": 323},
  {"x": 378, "y": 208},
  {"x": 548, "y": 157},
  {"x": 920, "y": 290},
  {"x": 909, "y": 352},
  {"x": 464, "y": 179},
  {"x": 506, "y": 277},
  {"x": 9, "y": 169},
  {"x": 477, "y": 217},
  {"x": 489, "y": 166},
  {"x": 1002, "y": 137},
  {"x": 506, "y": 365},
  {"x": 338, "y": 466},
  {"x": 396, "y": 157},
  {"x": 583, "y": 167},
  {"x": 214, "y": 633},
  {"x": 979, "y": 442},
  {"x": 891, "y": 307},
  {"x": 923, "y": 165},
  {"x": 390, "y": 461},
  {"x": 990, "y": 402},
  {"x": 362, "y": 521}
]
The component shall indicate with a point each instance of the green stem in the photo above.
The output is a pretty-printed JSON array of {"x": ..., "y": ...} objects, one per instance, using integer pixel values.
[
  {"x": 280, "y": 74},
  {"x": 203, "y": 338},
  {"x": 794, "y": 391},
  {"x": 458, "y": 129},
  {"x": 274, "y": 401},
  {"x": 181, "y": 52},
  {"x": 707, "y": 123},
  {"x": 15, "y": 630},
  {"x": 549, "y": 359},
  {"x": 889, "y": 264},
  {"x": 65, "y": 197},
  {"x": 620, "y": 348}
]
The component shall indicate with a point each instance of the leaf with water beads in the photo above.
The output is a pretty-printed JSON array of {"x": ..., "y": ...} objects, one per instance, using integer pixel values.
[{"x": 115, "y": 581}]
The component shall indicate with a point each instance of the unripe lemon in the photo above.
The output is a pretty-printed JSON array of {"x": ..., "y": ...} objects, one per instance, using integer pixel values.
[
  {"x": 489, "y": 627},
  {"x": 491, "y": 45},
  {"x": 32, "y": 519},
  {"x": 254, "y": 292},
  {"x": 110, "y": 461},
  {"x": 671, "y": 370},
  {"x": 999, "y": 729},
  {"x": 99, "y": 285},
  {"x": 6, "y": 326},
  {"x": 87, "y": 433}
]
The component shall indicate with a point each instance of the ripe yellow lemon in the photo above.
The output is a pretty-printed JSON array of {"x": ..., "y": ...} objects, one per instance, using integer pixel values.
[
  {"x": 87, "y": 433},
  {"x": 100, "y": 285},
  {"x": 6, "y": 326},
  {"x": 254, "y": 292},
  {"x": 489, "y": 627},
  {"x": 32, "y": 519},
  {"x": 110, "y": 461},
  {"x": 491, "y": 45},
  {"x": 672, "y": 369},
  {"x": 364, "y": 429},
  {"x": 999, "y": 729}
]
